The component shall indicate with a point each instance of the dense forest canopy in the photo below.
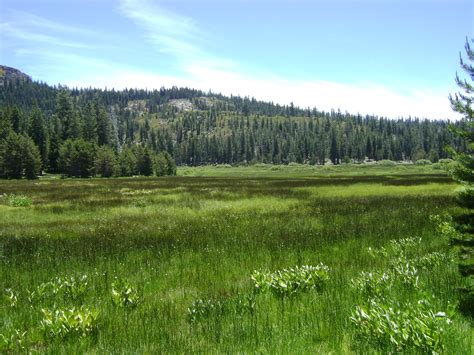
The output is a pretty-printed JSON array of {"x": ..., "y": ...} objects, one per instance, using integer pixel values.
[{"x": 193, "y": 127}]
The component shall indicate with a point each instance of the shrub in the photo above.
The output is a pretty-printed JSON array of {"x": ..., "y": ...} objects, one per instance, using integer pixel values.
[
  {"x": 10, "y": 297},
  {"x": 292, "y": 281},
  {"x": 202, "y": 309},
  {"x": 60, "y": 323},
  {"x": 397, "y": 248},
  {"x": 124, "y": 294},
  {"x": 73, "y": 288},
  {"x": 13, "y": 341},
  {"x": 386, "y": 162},
  {"x": 423, "y": 162},
  {"x": 372, "y": 284},
  {"x": 18, "y": 200},
  {"x": 400, "y": 327}
]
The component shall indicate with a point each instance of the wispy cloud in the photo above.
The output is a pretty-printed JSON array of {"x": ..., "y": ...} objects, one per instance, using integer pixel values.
[
  {"x": 41, "y": 23},
  {"x": 16, "y": 32},
  {"x": 171, "y": 33},
  {"x": 75, "y": 62},
  {"x": 181, "y": 37}
]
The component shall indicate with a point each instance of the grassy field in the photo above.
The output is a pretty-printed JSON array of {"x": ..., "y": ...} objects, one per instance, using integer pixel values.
[{"x": 166, "y": 264}]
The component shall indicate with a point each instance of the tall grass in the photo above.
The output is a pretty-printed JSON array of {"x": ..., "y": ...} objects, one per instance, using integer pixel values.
[{"x": 166, "y": 264}]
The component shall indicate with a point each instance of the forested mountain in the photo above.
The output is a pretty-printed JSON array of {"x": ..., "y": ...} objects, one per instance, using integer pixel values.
[{"x": 196, "y": 128}]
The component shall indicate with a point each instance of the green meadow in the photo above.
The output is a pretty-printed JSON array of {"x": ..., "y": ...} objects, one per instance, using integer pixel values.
[{"x": 212, "y": 261}]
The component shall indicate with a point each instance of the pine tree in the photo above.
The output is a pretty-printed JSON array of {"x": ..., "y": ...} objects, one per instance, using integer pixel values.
[
  {"x": 144, "y": 161},
  {"x": 89, "y": 131},
  {"x": 127, "y": 162},
  {"x": 161, "y": 165},
  {"x": 463, "y": 172},
  {"x": 31, "y": 158},
  {"x": 19, "y": 156},
  {"x": 105, "y": 162},
  {"x": 10, "y": 156},
  {"x": 76, "y": 158},
  {"x": 39, "y": 134},
  {"x": 67, "y": 116}
]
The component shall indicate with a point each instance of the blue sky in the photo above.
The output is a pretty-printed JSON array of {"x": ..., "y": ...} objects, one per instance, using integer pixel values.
[{"x": 387, "y": 57}]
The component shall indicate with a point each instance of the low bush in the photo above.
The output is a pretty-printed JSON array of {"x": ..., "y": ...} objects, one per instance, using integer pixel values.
[
  {"x": 292, "y": 281},
  {"x": 423, "y": 162},
  {"x": 202, "y": 309},
  {"x": 60, "y": 323},
  {"x": 124, "y": 294},
  {"x": 386, "y": 162},
  {"x": 18, "y": 200},
  {"x": 400, "y": 327}
]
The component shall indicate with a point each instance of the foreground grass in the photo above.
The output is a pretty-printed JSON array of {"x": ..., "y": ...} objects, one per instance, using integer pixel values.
[{"x": 173, "y": 241}]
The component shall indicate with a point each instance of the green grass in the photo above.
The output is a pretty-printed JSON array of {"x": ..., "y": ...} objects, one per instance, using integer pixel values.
[{"x": 168, "y": 244}]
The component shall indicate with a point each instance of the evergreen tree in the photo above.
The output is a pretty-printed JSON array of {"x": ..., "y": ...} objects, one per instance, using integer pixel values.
[
  {"x": 106, "y": 162},
  {"x": 161, "y": 165},
  {"x": 463, "y": 172},
  {"x": 104, "y": 126},
  {"x": 127, "y": 162},
  {"x": 144, "y": 161},
  {"x": 39, "y": 133},
  {"x": 54, "y": 146},
  {"x": 19, "y": 156},
  {"x": 334, "y": 153},
  {"x": 89, "y": 131},
  {"x": 11, "y": 152},
  {"x": 5, "y": 123},
  {"x": 31, "y": 158},
  {"x": 67, "y": 116},
  {"x": 76, "y": 158},
  {"x": 170, "y": 163}
]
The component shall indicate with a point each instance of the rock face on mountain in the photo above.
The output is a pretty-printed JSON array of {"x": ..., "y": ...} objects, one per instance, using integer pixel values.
[{"x": 8, "y": 73}]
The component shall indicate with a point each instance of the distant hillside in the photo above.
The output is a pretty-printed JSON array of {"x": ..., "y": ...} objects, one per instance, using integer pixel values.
[
  {"x": 206, "y": 128},
  {"x": 8, "y": 73}
]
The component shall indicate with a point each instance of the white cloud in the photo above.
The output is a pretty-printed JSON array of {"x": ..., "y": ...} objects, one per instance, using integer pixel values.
[
  {"x": 171, "y": 33},
  {"x": 16, "y": 32},
  {"x": 42, "y": 23},
  {"x": 181, "y": 38},
  {"x": 364, "y": 98}
]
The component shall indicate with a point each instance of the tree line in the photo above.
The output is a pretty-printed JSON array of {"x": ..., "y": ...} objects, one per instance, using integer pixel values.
[
  {"x": 53, "y": 125},
  {"x": 71, "y": 143}
]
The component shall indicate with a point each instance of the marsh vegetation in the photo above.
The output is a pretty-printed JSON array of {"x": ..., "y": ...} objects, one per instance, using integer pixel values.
[{"x": 256, "y": 259}]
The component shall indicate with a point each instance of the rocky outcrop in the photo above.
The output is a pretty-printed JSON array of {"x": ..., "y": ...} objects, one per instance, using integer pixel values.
[{"x": 8, "y": 73}]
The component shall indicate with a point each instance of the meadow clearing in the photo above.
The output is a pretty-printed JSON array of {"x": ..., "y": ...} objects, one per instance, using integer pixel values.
[{"x": 286, "y": 259}]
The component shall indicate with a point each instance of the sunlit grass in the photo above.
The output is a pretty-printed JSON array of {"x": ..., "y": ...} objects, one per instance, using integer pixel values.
[{"x": 173, "y": 241}]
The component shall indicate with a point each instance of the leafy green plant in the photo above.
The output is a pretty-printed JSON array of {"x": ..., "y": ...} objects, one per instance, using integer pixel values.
[
  {"x": 400, "y": 326},
  {"x": 423, "y": 162},
  {"x": 292, "y": 281},
  {"x": 60, "y": 323},
  {"x": 445, "y": 228},
  {"x": 14, "y": 340},
  {"x": 372, "y": 284},
  {"x": 19, "y": 200},
  {"x": 397, "y": 248},
  {"x": 72, "y": 287},
  {"x": 202, "y": 309},
  {"x": 406, "y": 273},
  {"x": 124, "y": 294},
  {"x": 386, "y": 162},
  {"x": 139, "y": 202},
  {"x": 432, "y": 260},
  {"x": 11, "y": 297}
]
